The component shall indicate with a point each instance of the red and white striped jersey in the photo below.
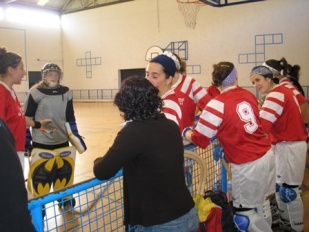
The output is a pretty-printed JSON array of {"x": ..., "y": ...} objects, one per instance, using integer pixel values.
[
  {"x": 233, "y": 116},
  {"x": 289, "y": 84},
  {"x": 189, "y": 92},
  {"x": 280, "y": 116},
  {"x": 172, "y": 109},
  {"x": 212, "y": 92}
]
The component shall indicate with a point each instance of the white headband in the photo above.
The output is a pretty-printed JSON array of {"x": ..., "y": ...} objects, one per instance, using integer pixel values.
[{"x": 274, "y": 71}]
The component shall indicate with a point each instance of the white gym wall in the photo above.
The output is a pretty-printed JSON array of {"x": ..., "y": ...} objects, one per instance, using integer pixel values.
[{"x": 121, "y": 34}]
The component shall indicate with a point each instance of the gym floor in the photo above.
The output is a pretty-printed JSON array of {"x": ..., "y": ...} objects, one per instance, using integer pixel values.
[{"x": 99, "y": 123}]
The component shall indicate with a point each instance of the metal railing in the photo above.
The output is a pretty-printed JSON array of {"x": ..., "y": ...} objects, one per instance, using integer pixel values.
[{"x": 99, "y": 204}]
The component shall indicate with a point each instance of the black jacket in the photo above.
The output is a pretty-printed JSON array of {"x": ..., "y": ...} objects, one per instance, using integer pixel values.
[
  {"x": 14, "y": 214},
  {"x": 151, "y": 155}
]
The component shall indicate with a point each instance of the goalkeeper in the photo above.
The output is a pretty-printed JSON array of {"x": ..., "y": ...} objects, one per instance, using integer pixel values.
[{"x": 52, "y": 158}]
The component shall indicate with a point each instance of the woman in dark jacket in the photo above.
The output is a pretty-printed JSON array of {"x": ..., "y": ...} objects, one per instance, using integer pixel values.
[{"x": 150, "y": 151}]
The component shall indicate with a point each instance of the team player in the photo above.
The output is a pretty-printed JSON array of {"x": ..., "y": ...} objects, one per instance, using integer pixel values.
[
  {"x": 180, "y": 93},
  {"x": 11, "y": 73},
  {"x": 52, "y": 159},
  {"x": 190, "y": 94},
  {"x": 281, "y": 120},
  {"x": 233, "y": 117},
  {"x": 279, "y": 69}
]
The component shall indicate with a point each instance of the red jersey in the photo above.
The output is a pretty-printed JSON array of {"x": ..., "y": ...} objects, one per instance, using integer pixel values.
[
  {"x": 289, "y": 84},
  {"x": 280, "y": 116},
  {"x": 212, "y": 92},
  {"x": 172, "y": 109},
  {"x": 12, "y": 113},
  {"x": 189, "y": 93},
  {"x": 233, "y": 117}
]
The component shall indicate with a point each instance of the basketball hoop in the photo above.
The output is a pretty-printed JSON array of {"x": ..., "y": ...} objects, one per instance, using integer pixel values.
[{"x": 189, "y": 10}]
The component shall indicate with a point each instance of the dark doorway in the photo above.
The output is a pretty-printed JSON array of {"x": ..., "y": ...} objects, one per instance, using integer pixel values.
[
  {"x": 125, "y": 73},
  {"x": 34, "y": 77}
]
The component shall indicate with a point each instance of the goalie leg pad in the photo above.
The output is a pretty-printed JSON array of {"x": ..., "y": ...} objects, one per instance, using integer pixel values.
[
  {"x": 250, "y": 221},
  {"x": 295, "y": 208},
  {"x": 75, "y": 139},
  {"x": 41, "y": 171},
  {"x": 65, "y": 165}
]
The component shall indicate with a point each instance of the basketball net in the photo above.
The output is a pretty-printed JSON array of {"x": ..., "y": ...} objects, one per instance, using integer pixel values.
[{"x": 189, "y": 11}]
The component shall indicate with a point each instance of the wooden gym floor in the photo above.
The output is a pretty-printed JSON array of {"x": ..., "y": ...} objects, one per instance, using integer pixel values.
[{"x": 99, "y": 123}]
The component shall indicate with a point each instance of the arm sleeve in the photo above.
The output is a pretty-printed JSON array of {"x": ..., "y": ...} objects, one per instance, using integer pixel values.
[
  {"x": 30, "y": 106},
  {"x": 124, "y": 149},
  {"x": 70, "y": 115}
]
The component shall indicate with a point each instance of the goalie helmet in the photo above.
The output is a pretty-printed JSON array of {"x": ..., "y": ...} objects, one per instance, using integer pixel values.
[{"x": 50, "y": 67}]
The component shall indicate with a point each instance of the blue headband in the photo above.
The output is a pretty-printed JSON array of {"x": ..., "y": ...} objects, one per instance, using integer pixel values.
[
  {"x": 263, "y": 71},
  {"x": 167, "y": 63},
  {"x": 231, "y": 78}
]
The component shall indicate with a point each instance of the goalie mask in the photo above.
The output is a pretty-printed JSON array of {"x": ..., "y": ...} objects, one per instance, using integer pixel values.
[{"x": 51, "y": 75}]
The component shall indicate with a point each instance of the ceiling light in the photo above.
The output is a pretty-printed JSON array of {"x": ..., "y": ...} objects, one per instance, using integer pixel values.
[{"x": 42, "y": 2}]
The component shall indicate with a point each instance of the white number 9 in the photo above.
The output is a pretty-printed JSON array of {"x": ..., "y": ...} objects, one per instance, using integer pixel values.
[{"x": 246, "y": 115}]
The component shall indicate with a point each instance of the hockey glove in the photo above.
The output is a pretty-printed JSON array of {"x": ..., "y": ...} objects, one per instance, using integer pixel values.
[
  {"x": 45, "y": 125},
  {"x": 75, "y": 139}
]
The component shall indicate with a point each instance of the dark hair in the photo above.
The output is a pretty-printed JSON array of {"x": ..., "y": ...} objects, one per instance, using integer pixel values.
[
  {"x": 8, "y": 59},
  {"x": 280, "y": 65},
  {"x": 264, "y": 72},
  {"x": 293, "y": 74},
  {"x": 220, "y": 72},
  {"x": 183, "y": 65},
  {"x": 293, "y": 71},
  {"x": 138, "y": 99}
]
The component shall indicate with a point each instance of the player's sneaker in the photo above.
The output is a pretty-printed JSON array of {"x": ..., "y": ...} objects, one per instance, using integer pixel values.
[
  {"x": 285, "y": 226},
  {"x": 275, "y": 213}
]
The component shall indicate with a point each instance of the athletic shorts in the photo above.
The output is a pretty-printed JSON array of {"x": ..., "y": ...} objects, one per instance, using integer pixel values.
[
  {"x": 290, "y": 162},
  {"x": 252, "y": 182}
]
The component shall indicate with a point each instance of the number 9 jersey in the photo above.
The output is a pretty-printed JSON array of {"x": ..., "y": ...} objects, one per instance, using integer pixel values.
[{"x": 233, "y": 117}]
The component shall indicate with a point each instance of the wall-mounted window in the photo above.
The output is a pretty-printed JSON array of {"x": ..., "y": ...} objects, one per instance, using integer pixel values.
[{"x": 31, "y": 16}]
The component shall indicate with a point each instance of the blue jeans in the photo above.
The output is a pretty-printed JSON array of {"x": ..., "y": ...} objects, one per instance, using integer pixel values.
[{"x": 186, "y": 223}]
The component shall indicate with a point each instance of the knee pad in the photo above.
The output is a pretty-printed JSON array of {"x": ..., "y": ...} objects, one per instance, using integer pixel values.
[
  {"x": 242, "y": 222},
  {"x": 251, "y": 221},
  {"x": 287, "y": 194}
]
